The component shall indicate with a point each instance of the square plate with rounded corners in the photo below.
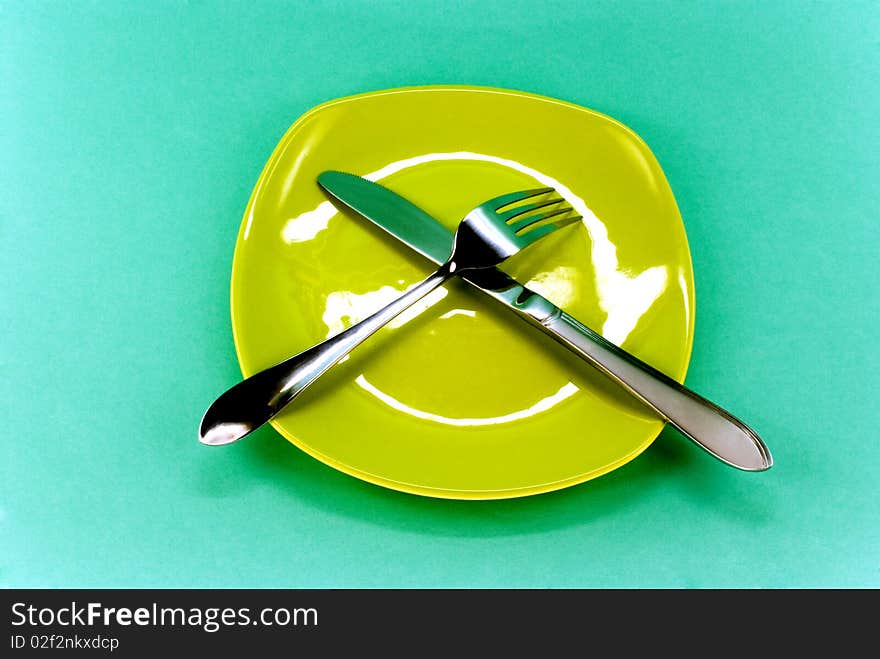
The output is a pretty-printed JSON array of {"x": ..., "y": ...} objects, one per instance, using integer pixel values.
[{"x": 458, "y": 398}]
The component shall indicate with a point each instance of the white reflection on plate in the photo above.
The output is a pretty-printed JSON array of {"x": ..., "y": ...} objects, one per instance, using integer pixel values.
[
  {"x": 568, "y": 390},
  {"x": 345, "y": 308}
]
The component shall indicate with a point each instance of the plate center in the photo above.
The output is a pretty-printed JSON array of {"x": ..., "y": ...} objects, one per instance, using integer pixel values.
[{"x": 468, "y": 361}]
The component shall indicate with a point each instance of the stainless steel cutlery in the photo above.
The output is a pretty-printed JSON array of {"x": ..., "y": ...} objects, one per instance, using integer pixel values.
[{"x": 489, "y": 234}]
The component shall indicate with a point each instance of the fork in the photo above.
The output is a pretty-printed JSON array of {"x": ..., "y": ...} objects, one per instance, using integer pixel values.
[{"x": 488, "y": 235}]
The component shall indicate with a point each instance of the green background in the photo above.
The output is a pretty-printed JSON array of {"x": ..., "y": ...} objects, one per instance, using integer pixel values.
[{"x": 131, "y": 139}]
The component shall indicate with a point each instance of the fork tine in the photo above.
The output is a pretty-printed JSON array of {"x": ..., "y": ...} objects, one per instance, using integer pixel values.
[
  {"x": 519, "y": 225},
  {"x": 546, "y": 229},
  {"x": 507, "y": 216},
  {"x": 512, "y": 197}
]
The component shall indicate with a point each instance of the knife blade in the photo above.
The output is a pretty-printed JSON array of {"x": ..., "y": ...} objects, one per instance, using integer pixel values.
[{"x": 712, "y": 428}]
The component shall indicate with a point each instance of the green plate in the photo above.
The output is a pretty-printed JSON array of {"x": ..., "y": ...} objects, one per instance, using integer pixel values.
[{"x": 459, "y": 398}]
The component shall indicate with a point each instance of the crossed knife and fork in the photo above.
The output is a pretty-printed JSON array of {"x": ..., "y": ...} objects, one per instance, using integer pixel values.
[{"x": 487, "y": 236}]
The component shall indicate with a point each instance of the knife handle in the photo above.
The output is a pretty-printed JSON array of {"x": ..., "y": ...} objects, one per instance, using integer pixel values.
[{"x": 714, "y": 429}]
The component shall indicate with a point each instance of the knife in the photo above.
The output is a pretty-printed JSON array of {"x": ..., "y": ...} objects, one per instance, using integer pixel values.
[{"x": 710, "y": 427}]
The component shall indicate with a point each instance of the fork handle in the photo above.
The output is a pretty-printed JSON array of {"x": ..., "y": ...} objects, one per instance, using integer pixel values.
[
  {"x": 252, "y": 402},
  {"x": 717, "y": 431}
]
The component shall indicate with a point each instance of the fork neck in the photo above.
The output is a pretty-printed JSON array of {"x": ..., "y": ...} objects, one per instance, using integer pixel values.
[{"x": 449, "y": 268}]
